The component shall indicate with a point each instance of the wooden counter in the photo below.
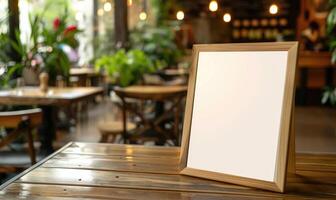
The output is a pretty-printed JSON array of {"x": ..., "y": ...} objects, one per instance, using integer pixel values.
[
  {"x": 106, "y": 171},
  {"x": 310, "y": 59}
]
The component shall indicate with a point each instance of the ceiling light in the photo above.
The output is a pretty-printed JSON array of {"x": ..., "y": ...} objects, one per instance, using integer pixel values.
[
  {"x": 100, "y": 12},
  {"x": 180, "y": 15},
  {"x": 273, "y": 9},
  {"x": 227, "y": 17},
  {"x": 143, "y": 16},
  {"x": 107, "y": 6},
  {"x": 213, "y": 6},
  {"x": 129, "y": 2}
]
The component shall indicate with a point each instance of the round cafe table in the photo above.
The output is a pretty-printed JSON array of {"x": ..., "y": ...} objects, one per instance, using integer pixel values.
[{"x": 161, "y": 94}]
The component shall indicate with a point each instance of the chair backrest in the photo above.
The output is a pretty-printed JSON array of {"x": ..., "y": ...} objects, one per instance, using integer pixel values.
[
  {"x": 11, "y": 119},
  {"x": 22, "y": 121}
]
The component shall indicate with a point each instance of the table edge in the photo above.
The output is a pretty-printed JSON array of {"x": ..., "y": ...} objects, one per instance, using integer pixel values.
[
  {"x": 56, "y": 100},
  {"x": 15, "y": 178}
]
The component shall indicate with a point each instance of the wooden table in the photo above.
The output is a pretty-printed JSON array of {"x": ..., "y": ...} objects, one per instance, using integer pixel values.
[
  {"x": 108, "y": 171},
  {"x": 310, "y": 60},
  {"x": 174, "y": 72},
  {"x": 159, "y": 94},
  {"x": 47, "y": 101},
  {"x": 84, "y": 75},
  {"x": 172, "y": 75}
]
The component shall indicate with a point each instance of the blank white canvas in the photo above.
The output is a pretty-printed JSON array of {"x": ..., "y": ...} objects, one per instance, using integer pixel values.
[{"x": 237, "y": 112}]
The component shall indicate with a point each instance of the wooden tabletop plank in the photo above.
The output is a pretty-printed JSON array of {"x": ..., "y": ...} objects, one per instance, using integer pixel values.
[
  {"x": 108, "y": 146},
  {"x": 122, "y": 150},
  {"x": 107, "y": 171},
  {"x": 131, "y": 180},
  {"x": 162, "y": 165},
  {"x": 31, "y": 191},
  {"x": 135, "y": 158},
  {"x": 122, "y": 180}
]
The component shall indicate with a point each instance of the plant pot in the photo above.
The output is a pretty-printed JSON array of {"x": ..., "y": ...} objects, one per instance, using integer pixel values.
[{"x": 30, "y": 76}]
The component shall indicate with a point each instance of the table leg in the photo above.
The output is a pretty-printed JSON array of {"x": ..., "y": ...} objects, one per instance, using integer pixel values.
[
  {"x": 302, "y": 91},
  {"x": 47, "y": 130},
  {"x": 177, "y": 121},
  {"x": 124, "y": 118}
]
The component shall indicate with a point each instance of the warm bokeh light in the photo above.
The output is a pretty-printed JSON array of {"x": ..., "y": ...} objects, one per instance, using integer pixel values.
[
  {"x": 107, "y": 6},
  {"x": 143, "y": 16},
  {"x": 100, "y": 12},
  {"x": 180, "y": 15},
  {"x": 273, "y": 9},
  {"x": 213, "y": 6},
  {"x": 227, "y": 17},
  {"x": 129, "y": 2}
]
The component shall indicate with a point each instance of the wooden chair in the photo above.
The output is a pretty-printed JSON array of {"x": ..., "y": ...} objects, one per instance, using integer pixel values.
[
  {"x": 159, "y": 95},
  {"x": 112, "y": 129},
  {"x": 22, "y": 122}
]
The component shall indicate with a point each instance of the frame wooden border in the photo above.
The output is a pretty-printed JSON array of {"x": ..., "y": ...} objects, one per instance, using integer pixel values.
[{"x": 286, "y": 116}]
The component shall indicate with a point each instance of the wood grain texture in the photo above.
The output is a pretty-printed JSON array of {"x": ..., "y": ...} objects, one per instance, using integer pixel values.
[
  {"x": 286, "y": 119},
  {"x": 287, "y": 107},
  {"x": 40, "y": 191},
  {"x": 157, "y": 93},
  {"x": 163, "y": 165},
  {"x": 121, "y": 150},
  {"x": 317, "y": 60},
  {"x": 11, "y": 119},
  {"x": 55, "y": 96},
  {"x": 112, "y": 176}
]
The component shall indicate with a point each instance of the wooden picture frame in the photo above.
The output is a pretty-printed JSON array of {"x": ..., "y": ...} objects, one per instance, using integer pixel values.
[{"x": 284, "y": 153}]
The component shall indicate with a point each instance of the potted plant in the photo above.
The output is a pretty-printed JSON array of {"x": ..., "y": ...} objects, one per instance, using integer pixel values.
[
  {"x": 125, "y": 68},
  {"x": 48, "y": 49},
  {"x": 329, "y": 94},
  {"x": 58, "y": 48},
  {"x": 158, "y": 43}
]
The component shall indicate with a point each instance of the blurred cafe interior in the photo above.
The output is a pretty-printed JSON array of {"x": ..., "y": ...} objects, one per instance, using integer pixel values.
[{"x": 116, "y": 72}]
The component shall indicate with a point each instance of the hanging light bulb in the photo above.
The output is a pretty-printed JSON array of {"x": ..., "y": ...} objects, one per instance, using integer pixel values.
[
  {"x": 143, "y": 16},
  {"x": 129, "y": 2},
  {"x": 273, "y": 9},
  {"x": 107, "y": 6},
  {"x": 180, "y": 15},
  {"x": 227, "y": 17},
  {"x": 213, "y": 6},
  {"x": 100, "y": 12}
]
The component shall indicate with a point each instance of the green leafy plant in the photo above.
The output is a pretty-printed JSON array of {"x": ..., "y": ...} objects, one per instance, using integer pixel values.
[
  {"x": 56, "y": 62},
  {"x": 9, "y": 68},
  {"x": 161, "y": 10},
  {"x": 329, "y": 94},
  {"x": 44, "y": 49},
  {"x": 103, "y": 45},
  {"x": 331, "y": 30},
  {"x": 125, "y": 68},
  {"x": 158, "y": 43}
]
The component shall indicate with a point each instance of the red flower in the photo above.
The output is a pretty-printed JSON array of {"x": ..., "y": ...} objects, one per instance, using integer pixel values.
[
  {"x": 57, "y": 23},
  {"x": 70, "y": 29}
]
